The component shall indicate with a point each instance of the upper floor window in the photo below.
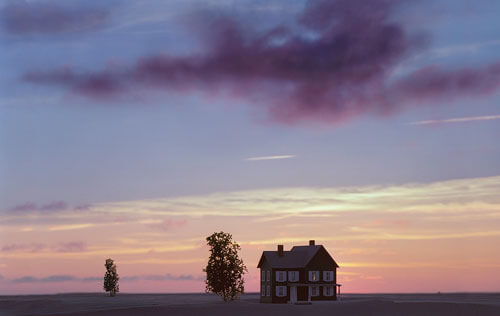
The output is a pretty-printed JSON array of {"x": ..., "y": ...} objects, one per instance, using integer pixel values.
[
  {"x": 281, "y": 291},
  {"x": 263, "y": 276},
  {"x": 314, "y": 276},
  {"x": 314, "y": 290},
  {"x": 269, "y": 275},
  {"x": 328, "y": 275},
  {"x": 280, "y": 276},
  {"x": 293, "y": 276}
]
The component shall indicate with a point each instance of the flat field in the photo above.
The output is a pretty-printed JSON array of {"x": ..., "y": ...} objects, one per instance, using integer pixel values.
[{"x": 80, "y": 304}]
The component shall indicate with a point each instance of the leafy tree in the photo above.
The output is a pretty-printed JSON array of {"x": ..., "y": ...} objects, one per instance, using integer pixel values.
[
  {"x": 224, "y": 269},
  {"x": 111, "y": 278}
]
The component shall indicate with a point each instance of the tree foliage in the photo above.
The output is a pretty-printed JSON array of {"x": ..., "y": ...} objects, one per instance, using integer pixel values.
[
  {"x": 224, "y": 269},
  {"x": 111, "y": 278}
]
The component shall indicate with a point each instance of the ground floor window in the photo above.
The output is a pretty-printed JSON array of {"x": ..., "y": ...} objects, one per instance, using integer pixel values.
[
  {"x": 314, "y": 290},
  {"x": 263, "y": 290},
  {"x": 328, "y": 290},
  {"x": 268, "y": 290},
  {"x": 281, "y": 291}
]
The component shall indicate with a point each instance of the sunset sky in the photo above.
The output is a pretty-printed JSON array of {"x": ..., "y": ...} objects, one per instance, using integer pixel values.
[{"x": 135, "y": 129}]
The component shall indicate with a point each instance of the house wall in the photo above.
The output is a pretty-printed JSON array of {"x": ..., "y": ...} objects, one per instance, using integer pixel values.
[
  {"x": 322, "y": 262},
  {"x": 303, "y": 279},
  {"x": 266, "y": 299}
]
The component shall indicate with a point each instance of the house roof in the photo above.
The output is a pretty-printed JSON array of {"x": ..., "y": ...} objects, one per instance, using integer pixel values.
[{"x": 297, "y": 257}]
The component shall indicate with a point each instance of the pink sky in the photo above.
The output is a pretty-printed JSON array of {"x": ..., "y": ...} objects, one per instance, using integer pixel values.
[{"x": 419, "y": 237}]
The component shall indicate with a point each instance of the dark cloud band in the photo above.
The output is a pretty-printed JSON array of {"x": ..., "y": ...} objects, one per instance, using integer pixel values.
[{"x": 336, "y": 64}]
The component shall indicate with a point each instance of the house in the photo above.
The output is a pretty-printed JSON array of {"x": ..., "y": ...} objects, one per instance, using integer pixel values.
[{"x": 303, "y": 274}]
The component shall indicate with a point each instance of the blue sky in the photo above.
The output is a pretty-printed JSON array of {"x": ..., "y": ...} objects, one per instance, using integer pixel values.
[
  {"x": 133, "y": 129},
  {"x": 57, "y": 146}
]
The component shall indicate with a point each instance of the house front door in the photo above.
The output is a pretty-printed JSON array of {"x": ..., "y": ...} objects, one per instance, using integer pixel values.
[
  {"x": 302, "y": 293},
  {"x": 293, "y": 294}
]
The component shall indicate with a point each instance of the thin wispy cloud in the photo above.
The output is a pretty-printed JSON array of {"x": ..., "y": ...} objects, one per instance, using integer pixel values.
[
  {"x": 271, "y": 157},
  {"x": 71, "y": 226},
  {"x": 68, "y": 277},
  {"x": 457, "y": 120}
]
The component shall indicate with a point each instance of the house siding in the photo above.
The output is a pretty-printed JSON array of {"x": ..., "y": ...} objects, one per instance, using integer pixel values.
[
  {"x": 266, "y": 283},
  {"x": 323, "y": 262}
]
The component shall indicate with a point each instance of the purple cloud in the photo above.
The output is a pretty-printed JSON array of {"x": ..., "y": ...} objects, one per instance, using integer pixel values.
[
  {"x": 58, "y": 278},
  {"x": 75, "y": 246},
  {"x": 168, "y": 224},
  {"x": 83, "y": 207},
  {"x": 32, "y": 17},
  {"x": 66, "y": 277},
  {"x": 33, "y": 247},
  {"x": 49, "y": 279},
  {"x": 26, "y": 207},
  {"x": 25, "y": 279},
  {"x": 54, "y": 206},
  {"x": 92, "y": 279},
  {"x": 72, "y": 246},
  {"x": 338, "y": 66},
  {"x": 165, "y": 277},
  {"x": 170, "y": 277}
]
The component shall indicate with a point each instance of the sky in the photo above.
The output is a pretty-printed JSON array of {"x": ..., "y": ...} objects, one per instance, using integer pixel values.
[{"x": 133, "y": 130}]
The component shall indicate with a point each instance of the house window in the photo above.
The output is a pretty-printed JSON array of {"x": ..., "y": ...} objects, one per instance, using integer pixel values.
[
  {"x": 263, "y": 276},
  {"x": 281, "y": 276},
  {"x": 263, "y": 290},
  {"x": 328, "y": 290},
  {"x": 269, "y": 275},
  {"x": 314, "y": 276},
  {"x": 293, "y": 276},
  {"x": 314, "y": 290},
  {"x": 328, "y": 275},
  {"x": 281, "y": 291},
  {"x": 268, "y": 290}
]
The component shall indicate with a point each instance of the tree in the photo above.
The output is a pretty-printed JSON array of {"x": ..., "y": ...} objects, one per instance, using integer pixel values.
[
  {"x": 111, "y": 278},
  {"x": 224, "y": 269}
]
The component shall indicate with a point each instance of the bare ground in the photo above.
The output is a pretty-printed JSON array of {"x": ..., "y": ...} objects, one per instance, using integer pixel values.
[{"x": 204, "y": 304}]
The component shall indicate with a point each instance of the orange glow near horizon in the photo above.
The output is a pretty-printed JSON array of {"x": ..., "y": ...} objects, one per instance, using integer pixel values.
[{"x": 432, "y": 237}]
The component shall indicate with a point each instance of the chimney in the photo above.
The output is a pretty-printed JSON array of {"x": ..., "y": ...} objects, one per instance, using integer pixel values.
[
  {"x": 311, "y": 242},
  {"x": 280, "y": 250}
]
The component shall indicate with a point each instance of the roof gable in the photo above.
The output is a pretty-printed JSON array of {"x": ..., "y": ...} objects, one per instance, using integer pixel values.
[{"x": 322, "y": 258}]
